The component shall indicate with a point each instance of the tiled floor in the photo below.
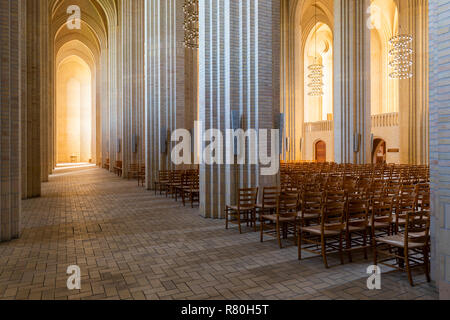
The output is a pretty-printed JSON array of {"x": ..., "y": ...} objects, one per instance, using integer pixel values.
[{"x": 131, "y": 244}]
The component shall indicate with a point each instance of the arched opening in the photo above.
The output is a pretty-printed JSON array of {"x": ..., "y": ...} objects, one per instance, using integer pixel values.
[
  {"x": 320, "y": 151},
  {"x": 319, "y": 50},
  {"x": 384, "y": 90},
  {"x": 74, "y": 111},
  {"x": 379, "y": 151}
]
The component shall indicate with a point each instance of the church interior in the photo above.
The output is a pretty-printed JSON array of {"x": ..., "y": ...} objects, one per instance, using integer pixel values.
[{"x": 93, "y": 91}]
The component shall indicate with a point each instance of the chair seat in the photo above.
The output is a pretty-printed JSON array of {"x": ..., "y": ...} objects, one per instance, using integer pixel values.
[
  {"x": 398, "y": 240},
  {"x": 273, "y": 217},
  {"x": 318, "y": 230},
  {"x": 308, "y": 216},
  {"x": 379, "y": 224},
  {"x": 267, "y": 206},
  {"x": 242, "y": 209}
]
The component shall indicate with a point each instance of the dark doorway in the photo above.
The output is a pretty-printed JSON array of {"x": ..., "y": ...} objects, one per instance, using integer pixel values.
[{"x": 321, "y": 151}]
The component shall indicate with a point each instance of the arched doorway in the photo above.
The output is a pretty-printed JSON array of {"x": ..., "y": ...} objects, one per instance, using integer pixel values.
[
  {"x": 379, "y": 151},
  {"x": 74, "y": 113},
  {"x": 320, "y": 151}
]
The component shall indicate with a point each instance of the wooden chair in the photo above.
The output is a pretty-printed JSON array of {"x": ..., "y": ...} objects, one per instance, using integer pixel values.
[
  {"x": 175, "y": 181},
  {"x": 311, "y": 207},
  {"x": 118, "y": 168},
  {"x": 381, "y": 219},
  {"x": 422, "y": 196},
  {"x": 141, "y": 176},
  {"x": 332, "y": 226},
  {"x": 284, "y": 221},
  {"x": 163, "y": 179},
  {"x": 246, "y": 206},
  {"x": 269, "y": 201},
  {"x": 356, "y": 223},
  {"x": 413, "y": 248},
  {"x": 406, "y": 203},
  {"x": 106, "y": 165},
  {"x": 133, "y": 171},
  {"x": 191, "y": 191}
]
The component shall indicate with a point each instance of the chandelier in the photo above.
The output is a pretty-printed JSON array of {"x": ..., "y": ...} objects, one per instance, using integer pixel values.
[
  {"x": 401, "y": 55},
  {"x": 315, "y": 79},
  {"x": 315, "y": 70},
  {"x": 191, "y": 33}
]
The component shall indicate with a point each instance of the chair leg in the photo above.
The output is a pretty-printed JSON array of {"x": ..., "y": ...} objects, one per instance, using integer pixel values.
[
  {"x": 348, "y": 245},
  {"x": 324, "y": 251},
  {"x": 408, "y": 269},
  {"x": 365, "y": 244},
  {"x": 226, "y": 219},
  {"x": 261, "y": 223},
  {"x": 239, "y": 221},
  {"x": 426, "y": 263},
  {"x": 375, "y": 257},
  {"x": 279, "y": 235},
  {"x": 254, "y": 219},
  {"x": 300, "y": 234},
  {"x": 341, "y": 251}
]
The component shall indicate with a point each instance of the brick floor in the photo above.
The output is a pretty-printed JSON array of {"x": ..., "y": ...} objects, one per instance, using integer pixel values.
[{"x": 131, "y": 244}]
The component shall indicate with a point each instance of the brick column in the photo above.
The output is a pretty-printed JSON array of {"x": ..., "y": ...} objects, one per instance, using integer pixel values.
[
  {"x": 10, "y": 119},
  {"x": 239, "y": 70},
  {"x": 352, "y": 81},
  {"x": 165, "y": 82},
  {"x": 439, "y": 18},
  {"x": 413, "y": 97},
  {"x": 32, "y": 124}
]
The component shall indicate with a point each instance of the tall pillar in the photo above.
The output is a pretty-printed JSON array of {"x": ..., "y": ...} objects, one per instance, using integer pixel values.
[
  {"x": 44, "y": 63},
  {"x": 165, "y": 83},
  {"x": 239, "y": 71},
  {"x": 33, "y": 112},
  {"x": 439, "y": 19},
  {"x": 132, "y": 77},
  {"x": 413, "y": 104},
  {"x": 352, "y": 82},
  {"x": 10, "y": 119}
]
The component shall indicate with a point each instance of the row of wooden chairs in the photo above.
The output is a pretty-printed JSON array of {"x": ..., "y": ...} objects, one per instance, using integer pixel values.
[
  {"x": 179, "y": 183},
  {"x": 323, "y": 221}
]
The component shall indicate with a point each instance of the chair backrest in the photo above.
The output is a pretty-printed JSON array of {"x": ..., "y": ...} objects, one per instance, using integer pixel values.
[
  {"x": 333, "y": 210},
  {"x": 119, "y": 164},
  {"x": 417, "y": 228},
  {"x": 311, "y": 202},
  {"x": 247, "y": 198},
  {"x": 423, "y": 196},
  {"x": 382, "y": 209},
  {"x": 270, "y": 196},
  {"x": 133, "y": 167},
  {"x": 287, "y": 205},
  {"x": 163, "y": 175},
  {"x": 357, "y": 212}
]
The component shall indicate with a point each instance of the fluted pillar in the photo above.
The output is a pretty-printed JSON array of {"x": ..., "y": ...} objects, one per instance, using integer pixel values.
[
  {"x": 10, "y": 119},
  {"x": 351, "y": 82},
  {"x": 165, "y": 83},
  {"x": 44, "y": 63},
  {"x": 239, "y": 71},
  {"x": 132, "y": 78},
  {"x": 32, "y": 123},
  {"x": 413, "y": 104}
]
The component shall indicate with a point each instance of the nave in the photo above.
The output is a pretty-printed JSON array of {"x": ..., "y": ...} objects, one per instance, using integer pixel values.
[{"x": 132, "y": 244}]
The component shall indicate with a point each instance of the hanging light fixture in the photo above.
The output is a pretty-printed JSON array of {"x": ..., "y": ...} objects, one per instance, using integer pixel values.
[
  {"x": 191, "y": 32},
  {"x": 315, "y": 70},
  {"x": 401, "y": 55}
]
